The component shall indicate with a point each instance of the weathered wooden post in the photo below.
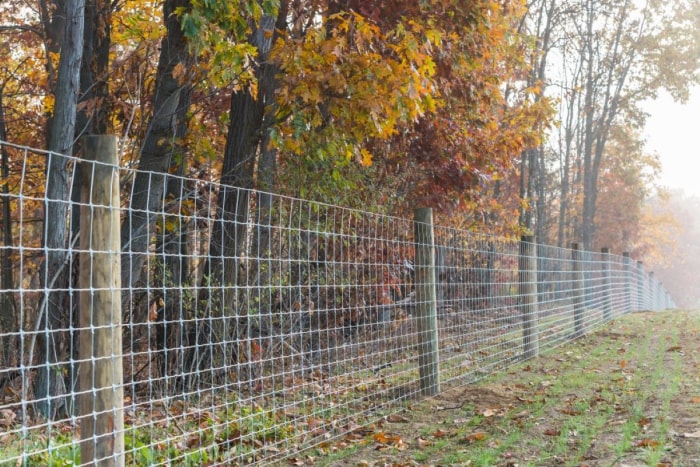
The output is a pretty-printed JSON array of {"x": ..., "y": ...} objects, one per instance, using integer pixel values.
[
  {"x": 607, "y": 288},
  {"x": 426, "y": 303},
  {"x": 577, "y": 286},
  {"x": 652, "y": 292},
  {"x": 101, "y": 397},
  {"x": 527, "y": 295},
  {"x": 626, "y": 264},
  {"x": 641, "y": 283}
]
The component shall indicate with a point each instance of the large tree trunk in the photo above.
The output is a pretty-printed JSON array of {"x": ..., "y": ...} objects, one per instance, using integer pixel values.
[
  {"x": 170, "y": 103},
  {"x": 587, "y": 226},
  {"x": 247, "y": 114},
  {"x": 52, "y": 348},
  {"x": 9, "y": 324},
  {"x": 230, "y": 231},
  {"x": 174, "y": 265},
  {"x": 92, "y": 118}
]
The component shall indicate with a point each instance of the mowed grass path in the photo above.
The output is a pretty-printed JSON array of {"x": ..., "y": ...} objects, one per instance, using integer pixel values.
[{"x": 625, "y": 395}]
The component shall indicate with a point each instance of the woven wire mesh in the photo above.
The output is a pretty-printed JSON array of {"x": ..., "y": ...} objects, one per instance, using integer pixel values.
[{"x": 284, "y": 325}]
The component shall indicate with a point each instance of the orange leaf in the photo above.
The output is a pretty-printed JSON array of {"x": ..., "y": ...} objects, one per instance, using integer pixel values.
[
  {"x": 439, "y": 434},
  {"x": 474, "y": 437},
  {"x": 552, "y": 432},
  {"x": 623, "y": 364},
  {"x": 647, "y": 443},
  {"x": 644, "y": 422}
]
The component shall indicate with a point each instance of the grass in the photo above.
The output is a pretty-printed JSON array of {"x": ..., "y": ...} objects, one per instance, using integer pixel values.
[{"x": 623, "y": 394}]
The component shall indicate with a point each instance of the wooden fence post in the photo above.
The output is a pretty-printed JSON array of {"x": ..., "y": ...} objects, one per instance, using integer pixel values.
[
  {"x": 577, "y": 286},
  {"x": 641, "y": 286},
  {"x": 101, "y": 397},
  {"x": 628, "y": 281},
  {"x": 607, "y": 288},
  {"x": 527, "y": 294},
  {"x": 426, "y": 303}
]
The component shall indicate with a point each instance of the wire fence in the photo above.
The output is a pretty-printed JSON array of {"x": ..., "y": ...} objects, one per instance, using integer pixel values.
[{"x": 235, "y": 327}]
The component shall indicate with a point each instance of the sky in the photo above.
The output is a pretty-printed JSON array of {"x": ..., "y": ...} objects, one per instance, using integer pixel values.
[{"x": 673, "y": 132}]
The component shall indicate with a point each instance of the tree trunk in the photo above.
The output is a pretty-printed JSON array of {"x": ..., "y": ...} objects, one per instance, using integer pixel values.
[
  {"x": 246, "y": 128},
  {"x": 8, "y": 310},
  {"x": 170, "y": 103},
  {"x": 92, "y": 118},
  {"x": 587, "y": 225},
  {"x": 229, "y": 233},
  {"x": 49, "y": 385}
]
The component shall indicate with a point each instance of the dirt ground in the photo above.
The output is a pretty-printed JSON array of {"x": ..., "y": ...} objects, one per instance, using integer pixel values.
[{"x": 626, "y": 395}]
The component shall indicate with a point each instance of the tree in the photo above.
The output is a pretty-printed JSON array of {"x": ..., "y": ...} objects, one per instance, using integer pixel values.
[
  {"x": 49, "y": 385},
  {"x": 615, "y": 55},
  {"x": 625, "y": 187},
  {"x": 160, "y": 148},
  {"x": 246, "y": 132}
]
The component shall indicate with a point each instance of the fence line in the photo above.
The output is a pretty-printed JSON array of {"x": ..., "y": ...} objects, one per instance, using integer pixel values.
[{"x": 251, "y": 334}]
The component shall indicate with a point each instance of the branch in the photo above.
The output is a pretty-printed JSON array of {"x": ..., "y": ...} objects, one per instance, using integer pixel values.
[{"x": 19, "y": 27}]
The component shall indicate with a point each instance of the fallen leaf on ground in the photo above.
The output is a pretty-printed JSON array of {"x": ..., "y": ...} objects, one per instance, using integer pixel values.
[
  {"x": 423, "y": 443},
  {"x": 692, "y": 435},
  {"x": 478, "y": 436},
  {"x": 395, "y": 418},
  {"x": 647, "y": 443},
  {"x": 7, "y": 417}
]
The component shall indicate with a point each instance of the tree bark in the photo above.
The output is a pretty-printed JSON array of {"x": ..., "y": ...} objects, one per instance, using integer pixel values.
[
  {"x": 49, "y": 385},
  {"x": 246, "y": 129},
  {"x": 587, "y": 214},
  {"x": 8, "y": 310},
  {"x": 170, "y": 104},
  {"x": 92, "y": 117}
]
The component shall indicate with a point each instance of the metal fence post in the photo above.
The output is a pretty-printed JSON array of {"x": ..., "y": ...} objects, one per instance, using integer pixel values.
[
  {"x": 426, "y": 303},
  {"x": 607, "y": 289},
  {"x": 101, "y": 398},
  {"x": 527, "y": 283},
  {"x": 577, "y": 288}
]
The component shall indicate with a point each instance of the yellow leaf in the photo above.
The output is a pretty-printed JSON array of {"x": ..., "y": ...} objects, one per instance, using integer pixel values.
[{"x": 366, "y": 157}]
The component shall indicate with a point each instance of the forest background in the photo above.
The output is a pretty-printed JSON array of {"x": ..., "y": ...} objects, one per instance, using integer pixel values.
[{"x": 508, "y": 117}]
